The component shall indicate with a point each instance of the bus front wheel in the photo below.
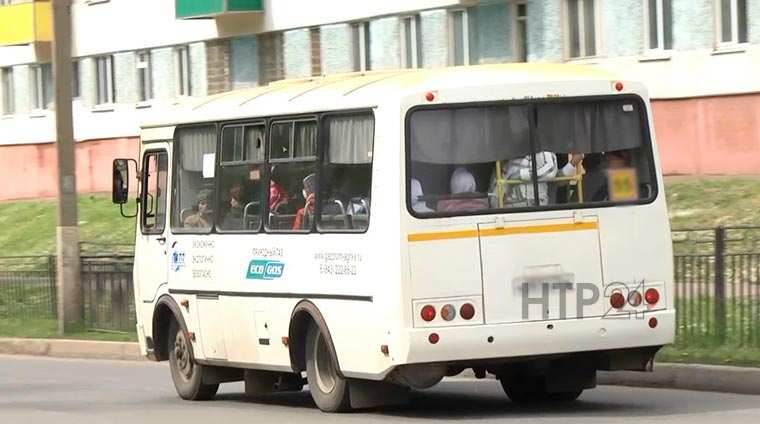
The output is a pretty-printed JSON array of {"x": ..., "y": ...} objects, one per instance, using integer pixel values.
[
  {"x": 328, "y": 389},
  {"x": 186, "y": 374}
]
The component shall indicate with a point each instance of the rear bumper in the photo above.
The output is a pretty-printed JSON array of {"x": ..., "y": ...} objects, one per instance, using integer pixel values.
[{"x": 540, "y": 338}]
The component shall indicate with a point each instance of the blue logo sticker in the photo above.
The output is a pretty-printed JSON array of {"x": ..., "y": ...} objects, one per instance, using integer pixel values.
[
  {"x": 178, "y": 259},
  {"x": 262, "y": 269}
]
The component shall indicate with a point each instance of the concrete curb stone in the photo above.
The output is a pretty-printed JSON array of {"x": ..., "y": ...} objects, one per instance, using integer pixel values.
[{"x": 84, "y": 349}]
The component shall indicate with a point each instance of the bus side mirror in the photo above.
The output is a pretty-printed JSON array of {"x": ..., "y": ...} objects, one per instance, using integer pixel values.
[{"x": 120, "y": 193}]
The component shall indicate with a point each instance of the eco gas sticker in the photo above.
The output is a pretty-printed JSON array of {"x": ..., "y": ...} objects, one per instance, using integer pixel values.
[{"x": 262, "y": 269}]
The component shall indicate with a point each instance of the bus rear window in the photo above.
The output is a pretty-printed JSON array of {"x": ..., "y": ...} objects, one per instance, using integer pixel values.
[{"x": 538, "y": 155}]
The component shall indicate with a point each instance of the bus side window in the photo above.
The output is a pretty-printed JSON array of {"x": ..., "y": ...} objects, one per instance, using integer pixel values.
[
  {"x": 347, "y": 173},
  {"x": 192, "y": 205},
  {"x": 239, "y": 203},
  {"x": 155, "y": 170},
  {"x": 292, "y": 182}
]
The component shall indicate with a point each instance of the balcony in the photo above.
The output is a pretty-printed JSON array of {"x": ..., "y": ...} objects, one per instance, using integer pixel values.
[
  {"x": 26, "y": 23},
  {"x": 194, "y": 9}
]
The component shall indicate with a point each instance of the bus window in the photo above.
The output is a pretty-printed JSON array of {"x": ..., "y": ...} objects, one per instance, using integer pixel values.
[
  {"x": 601, "y": 154},
  {"x": 155, "y": 168},
  {"x": 292, "y": 177},
  {"x": 454, "y": 153},
  {"x": 542, "y": 155},
  {"x": 346, "y": 173},
  {"x": 192, "y": 205},
  {"x": 241, "y": 177}
]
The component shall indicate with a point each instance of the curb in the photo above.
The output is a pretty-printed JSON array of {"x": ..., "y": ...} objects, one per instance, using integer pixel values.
[
  {"x": 82, "y": 349},
  {"x": 705, "y": 378},
  {"x": 709, "y": 378}
]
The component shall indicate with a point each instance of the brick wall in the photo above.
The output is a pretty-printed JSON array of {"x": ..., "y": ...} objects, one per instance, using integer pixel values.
[
  {"x": 315, "y": 43},
  {"x": 218, "y": 66},
  {"x": 272, "y": 67}
]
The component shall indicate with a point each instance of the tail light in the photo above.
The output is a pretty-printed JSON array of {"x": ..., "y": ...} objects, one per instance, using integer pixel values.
[
  {"x": 634, "y": 298},
  {"x": 428, "y": 313},
  {"x": 652, "y": 296},
  {"x": 617, "y": 300},
  {"x": 467, "y": 311},
  {"x": 433, "y": 338},
  {"x": 448, "y": 312}
]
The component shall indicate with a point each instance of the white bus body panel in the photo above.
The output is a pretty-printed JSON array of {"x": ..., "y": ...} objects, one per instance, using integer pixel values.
[{"x": 369, "y": 287}]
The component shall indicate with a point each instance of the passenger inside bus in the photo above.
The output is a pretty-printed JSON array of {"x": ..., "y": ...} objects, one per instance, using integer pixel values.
[
  {"x": 464, "y": 195},
  {"x": 305, "y": 214},
  {"x": 520, "y": 171},
  {"x": 418, "y": 203},
  {"x": 277, "y": 195},
  {"x": 203, "y": 214},
  {"x": 233, "y": 219}
]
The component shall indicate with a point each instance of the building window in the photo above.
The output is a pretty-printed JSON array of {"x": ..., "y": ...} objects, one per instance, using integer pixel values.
[
  {"x": 459, "y": 38},
  {"x": 360, "y": 35},
  {"x": 521, "y": 31},
  {"x": 659, "y": 16},
  {"x": 144, "y": 80},
  {"x": 104, "y": 83},
  {"x": 411, "y": 49},
  {"x": 42, "y": 86},
  {"x": 184, "y": 81},
  {"x": 732, "y": 21},
  {"x": 8, "y": 105},
  {"x": 581, "y": 28},
  {"x": 75, "y": 90}
]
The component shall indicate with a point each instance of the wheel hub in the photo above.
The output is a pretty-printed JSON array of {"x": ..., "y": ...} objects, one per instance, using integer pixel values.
[
  {"x": 182, "y": 354},
  {"x": 325, "y": 369}
]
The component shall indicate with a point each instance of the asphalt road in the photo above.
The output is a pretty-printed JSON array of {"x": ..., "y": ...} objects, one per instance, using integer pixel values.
[{"x": 37, "y": 390}]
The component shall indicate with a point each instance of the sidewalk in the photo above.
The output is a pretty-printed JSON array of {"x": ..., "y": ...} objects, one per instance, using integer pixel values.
[{"x": 712, "y": 378}]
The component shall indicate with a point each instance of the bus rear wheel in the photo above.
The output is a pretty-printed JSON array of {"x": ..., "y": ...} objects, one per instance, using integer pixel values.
[
  {"x": 186, "y": 374},
  {"x": 328, "y": 389}
]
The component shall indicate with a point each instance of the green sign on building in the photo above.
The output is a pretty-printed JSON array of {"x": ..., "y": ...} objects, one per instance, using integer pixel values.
[{"x": 186, "y": 9}]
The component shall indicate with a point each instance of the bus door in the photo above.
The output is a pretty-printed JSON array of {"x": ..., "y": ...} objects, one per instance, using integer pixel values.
[
  {"x": 151, "y": 246},
  {"x": 541, "y": 269}
]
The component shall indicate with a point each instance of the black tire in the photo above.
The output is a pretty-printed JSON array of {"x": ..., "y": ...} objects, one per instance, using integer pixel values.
[
  {"x": 327, "y": 388},
  {"x": 186, "y": 374}
]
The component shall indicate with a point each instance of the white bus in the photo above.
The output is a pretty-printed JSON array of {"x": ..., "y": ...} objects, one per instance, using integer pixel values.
[{"x": 373, "y": 233}]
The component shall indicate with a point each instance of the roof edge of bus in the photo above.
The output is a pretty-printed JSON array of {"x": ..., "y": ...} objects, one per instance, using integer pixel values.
[{"x": 550, "y": 72}]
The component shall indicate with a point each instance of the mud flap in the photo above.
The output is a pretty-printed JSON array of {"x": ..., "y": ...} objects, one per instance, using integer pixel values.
[{"x": 369, "y": 394}]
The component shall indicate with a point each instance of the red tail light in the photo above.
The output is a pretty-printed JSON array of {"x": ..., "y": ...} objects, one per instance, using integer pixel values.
[
  {"x": 428, "y": 313},
  {"x": 467, "y": 311},
  {"x": 652, "y": 322},
  {"x": 617, "y": 300},
  {"x": 433, "y": 338},
  {"x": 652, "y": 296}
]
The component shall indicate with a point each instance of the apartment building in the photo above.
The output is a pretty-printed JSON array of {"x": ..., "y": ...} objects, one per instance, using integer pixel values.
[{"x": 700, "y": 59}]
